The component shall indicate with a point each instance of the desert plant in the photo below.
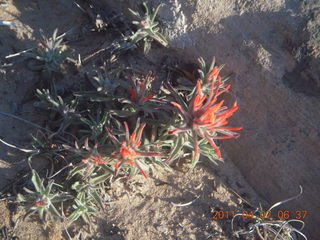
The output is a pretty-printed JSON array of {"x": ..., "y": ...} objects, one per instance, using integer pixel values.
[
  {"x": 82, "y": 209},
  {"x": 203, "y": 118},
  {"x": 90, "y": 180},
  {"x": 108, "y": 86},
  {"x": 96, "y": 124},
  {"x": 148, "y": 29},
  {"x": 42, "y": 199},
  {"x": 179, "y": 124},
  {"x": 50, "y": 53},
  {"x": 51, "y": 101},
  {"x": 88, "y": 200},
  {"x": 143, "y": 103},
  {"x": 130, "y": 155},
  {"x": 44, "y": 146}
]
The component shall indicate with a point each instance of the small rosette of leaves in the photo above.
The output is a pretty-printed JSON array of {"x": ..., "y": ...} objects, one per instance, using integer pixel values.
[
  {"x": 148, "y": 29},
  {"x": 88, "y": 200},
  {"x": 108, "y": 86},
  {"x": 45, "y": 147},
  {"x": 42, "y": 200},
  {"x": 54, "y": 102},
  {"x": 91, "y": 179},
  {"x": 95, "y": 124},
  {"x": 83, "y": 208},
  {"x": 142, "y": 103},
  {"x": 50, "y": 53}
]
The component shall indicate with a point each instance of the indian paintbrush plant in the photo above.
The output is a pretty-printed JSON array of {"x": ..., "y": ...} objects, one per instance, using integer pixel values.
[
  {"x": 204, "y": 118},
  {"x": 147, "y": 31},
  {"x": 43, "y": 198},
  {"x": 142, "y": 102},
  {"x": 50, "y": 53},
  {"x": 130, "y": 152},
  {"x": 180, "y": 124},
  {"x": 111, "y": 130},
  {"x": 121, "y": 126}
]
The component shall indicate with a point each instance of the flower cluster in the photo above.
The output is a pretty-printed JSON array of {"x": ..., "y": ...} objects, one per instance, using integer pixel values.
[
  {"x": 206, "y": 117},
  {"x": 104, "y": 115},
  {"x": 128, "y": 152}
]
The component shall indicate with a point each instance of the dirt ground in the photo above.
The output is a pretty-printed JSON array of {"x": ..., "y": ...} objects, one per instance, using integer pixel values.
[{"x": 147, "y": 209}]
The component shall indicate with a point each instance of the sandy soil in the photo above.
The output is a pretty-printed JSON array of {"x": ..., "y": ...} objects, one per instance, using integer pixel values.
[{"x": 143, "y": 210}]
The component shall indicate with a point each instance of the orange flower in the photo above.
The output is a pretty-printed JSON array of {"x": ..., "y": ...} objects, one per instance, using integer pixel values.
[
  {"x": 91, "y": 159},
  {"x": 205, "y": 115},
  {"x": 129, "y": 152}
]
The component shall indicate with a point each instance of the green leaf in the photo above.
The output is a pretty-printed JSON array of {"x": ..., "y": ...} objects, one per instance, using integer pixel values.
[
  {"x": 153, "y": 17},
  {"x": 97, "y": 198},
  {"x": 86, "y": 121},
  {"x": 61, "y": 197},
  {"x": 76, "y": 170},
  {"x": 101, "y": 178},
  {"x": 121, "y": 113},
  {"x": 37, "y": 183},
  {"x": 75, "y": 215},
  {"x": 48, "y": 188},
  {"x": 54, "y": 211},
  {"x": 134, "y": 13},
  {"x": 176, "y": 151},
  {"x": 85, "y": 218},
  {"x": 213, "y": 62},
  {"x": 21, "y": 198},
  {"x": 28, "y": 191},
  {"x": 146, "y": 8},
  {"x": 160, "y": 38},
  {"x": 106, "y": 168}
]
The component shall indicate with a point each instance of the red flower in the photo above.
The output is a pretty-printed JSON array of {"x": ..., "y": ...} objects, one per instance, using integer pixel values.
[
  {"x": 138, "y": 93},
  {"x": 40, "y": 202},
  {"x": 129, "y": 152},
  {"x": 205, "y": 115},
  {"x": 133, "y": 93},
  {"x": 91, "y": 159}
]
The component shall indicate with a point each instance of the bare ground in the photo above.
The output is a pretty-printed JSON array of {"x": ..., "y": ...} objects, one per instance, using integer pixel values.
[{"x": 145, "y": 209}]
